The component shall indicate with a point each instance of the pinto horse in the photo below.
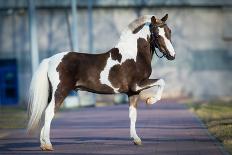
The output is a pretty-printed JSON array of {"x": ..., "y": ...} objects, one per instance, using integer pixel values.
[{"x": 126, "y": 68}]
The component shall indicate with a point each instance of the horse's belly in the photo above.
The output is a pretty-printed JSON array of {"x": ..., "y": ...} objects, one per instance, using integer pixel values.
[{"x": 96, "y": 88}]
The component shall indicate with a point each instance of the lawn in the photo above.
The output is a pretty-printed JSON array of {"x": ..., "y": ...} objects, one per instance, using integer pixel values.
[
  {"x": 12, "y": 117},
  {"x": 217, "y": 116}
]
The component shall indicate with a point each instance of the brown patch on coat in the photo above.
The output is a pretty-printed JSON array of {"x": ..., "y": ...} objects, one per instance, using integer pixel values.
[
  {"x": 167, "y": 31},
  {"x": 81, "y": 71},
  {"x": 120, "y": 75},
  {"x": 129, "y": 73},
  {"x": 136, "y": 30},
  {"x": 115, "y": 55}
]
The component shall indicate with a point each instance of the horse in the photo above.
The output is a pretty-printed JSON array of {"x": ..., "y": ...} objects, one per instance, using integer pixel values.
[{"x": 125, "y": 68}]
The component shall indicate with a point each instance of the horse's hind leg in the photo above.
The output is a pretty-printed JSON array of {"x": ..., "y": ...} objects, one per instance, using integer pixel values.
[
  {"x": 133, "y": 117},
  {"x": 58, "y": 97},
  {"x": 45, "y": 143},
  {"x": 45, "y": 131}
]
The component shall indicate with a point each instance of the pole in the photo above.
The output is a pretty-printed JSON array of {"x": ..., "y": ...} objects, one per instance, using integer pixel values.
[
  {"x": 74, "y": 34},
  {"x": 33, "y": 36},
  {"x": 90, "y": 41},
  {"x": 90, "y": 25},
  {"x": 74, "y": 26}
]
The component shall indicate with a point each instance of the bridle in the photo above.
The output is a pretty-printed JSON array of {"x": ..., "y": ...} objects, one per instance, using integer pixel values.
[{"x": 154, "y": 41}]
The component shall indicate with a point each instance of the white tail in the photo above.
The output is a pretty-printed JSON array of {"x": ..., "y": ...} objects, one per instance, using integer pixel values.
[{"x": 38, "y": 96}]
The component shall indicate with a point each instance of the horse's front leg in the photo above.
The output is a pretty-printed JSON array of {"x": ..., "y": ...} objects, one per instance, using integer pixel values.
[
  {"x": 133, "y": 99},
  {"x": 151, "y": 83}
]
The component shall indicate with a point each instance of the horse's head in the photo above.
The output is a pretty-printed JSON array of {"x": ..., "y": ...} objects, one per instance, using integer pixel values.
[{"x": 161, "y": 37}]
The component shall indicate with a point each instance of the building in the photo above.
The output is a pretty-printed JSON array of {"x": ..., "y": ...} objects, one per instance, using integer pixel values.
[{"x": 201, "y": 34}]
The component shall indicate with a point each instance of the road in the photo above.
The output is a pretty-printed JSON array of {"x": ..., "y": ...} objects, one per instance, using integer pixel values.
[{"x": 165, "y": 128}]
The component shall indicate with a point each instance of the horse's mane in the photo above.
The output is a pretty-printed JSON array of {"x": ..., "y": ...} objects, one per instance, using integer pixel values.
[{"x": 139, "y": 21}]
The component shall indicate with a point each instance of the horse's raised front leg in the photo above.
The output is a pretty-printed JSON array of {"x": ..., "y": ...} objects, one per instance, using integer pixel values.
[
  {"x": 133, "y": 117},
  {"x": 151, "y": 83}
]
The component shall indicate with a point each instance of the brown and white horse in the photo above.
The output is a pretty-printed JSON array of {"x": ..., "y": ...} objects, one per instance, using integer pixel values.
[{"x": 126, "y": 68}]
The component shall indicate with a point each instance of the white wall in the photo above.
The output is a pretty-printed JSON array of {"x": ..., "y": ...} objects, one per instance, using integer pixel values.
[{"x": 201, "y": 38}]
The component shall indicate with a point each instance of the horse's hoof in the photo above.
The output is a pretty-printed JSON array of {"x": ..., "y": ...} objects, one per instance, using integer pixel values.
[
  {"x": 46, "y": 147},
  {"x": 151, "y": 100},
  {"x": 137, "y": 142}
]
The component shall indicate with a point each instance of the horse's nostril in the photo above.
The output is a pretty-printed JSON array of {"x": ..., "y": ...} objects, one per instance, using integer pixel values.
[{"x": 171, "y": 57}]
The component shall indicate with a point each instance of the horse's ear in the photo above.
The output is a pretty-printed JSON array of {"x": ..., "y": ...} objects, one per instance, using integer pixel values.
[
  {"x": 153, "y": 20},
  {"x": 165, "y": 18}
]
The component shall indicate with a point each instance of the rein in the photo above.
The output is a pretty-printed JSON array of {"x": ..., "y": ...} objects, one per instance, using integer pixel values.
[{"x": 164, "y": 55}]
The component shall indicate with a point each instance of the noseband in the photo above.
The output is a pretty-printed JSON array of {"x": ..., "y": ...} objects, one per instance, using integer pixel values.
[{"x": 154, "y": 41}]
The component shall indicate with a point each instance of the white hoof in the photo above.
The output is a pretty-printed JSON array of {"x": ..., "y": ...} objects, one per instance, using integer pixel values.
[
  {"x": 137, "y": 141},
  {"x": 46, "y": 147},
  {"x": 152, "y": 100}
]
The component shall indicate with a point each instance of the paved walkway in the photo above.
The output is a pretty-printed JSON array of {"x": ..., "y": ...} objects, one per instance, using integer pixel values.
[{"x": 165, "y": 128}]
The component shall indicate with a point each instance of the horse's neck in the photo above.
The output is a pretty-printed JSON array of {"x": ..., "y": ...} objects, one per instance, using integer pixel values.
[{"x": 127, "y": 44}]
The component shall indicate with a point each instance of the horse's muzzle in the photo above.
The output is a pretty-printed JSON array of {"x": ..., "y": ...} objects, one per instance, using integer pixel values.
[{"x": 169, "y": 57}]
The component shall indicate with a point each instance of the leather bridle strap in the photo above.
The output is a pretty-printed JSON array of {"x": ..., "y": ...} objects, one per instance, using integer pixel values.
[
  {"x": 158, "y": 55},
  {"x": 154, "y": 41}
]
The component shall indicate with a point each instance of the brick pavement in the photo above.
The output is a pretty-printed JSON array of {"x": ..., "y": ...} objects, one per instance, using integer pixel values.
[{"x": 165, "y": 128}]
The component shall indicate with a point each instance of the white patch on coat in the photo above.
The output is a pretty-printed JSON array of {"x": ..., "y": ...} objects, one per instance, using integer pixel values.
[
  {"x": 127, "y": 47},
  {"x": 104, "y": 75},
  {"x": 53, "y": 75},
  {"x": 127, "y": 44},
  {"x": 167, "y": 42},
  {"x": 137, "y": 87}
]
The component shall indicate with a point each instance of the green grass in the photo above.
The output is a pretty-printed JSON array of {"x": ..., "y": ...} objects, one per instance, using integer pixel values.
[
  {"x": 12, "y": 117},
  {"x": 217, "y": 116}
]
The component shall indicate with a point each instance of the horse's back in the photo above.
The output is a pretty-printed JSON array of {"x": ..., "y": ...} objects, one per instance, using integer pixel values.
[{"x": 77, "y": 69}]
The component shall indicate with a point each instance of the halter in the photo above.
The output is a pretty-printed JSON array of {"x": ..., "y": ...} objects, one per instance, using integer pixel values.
[
  {"x": 164, "y": 55},
  {"x": 154, "y": 40}
]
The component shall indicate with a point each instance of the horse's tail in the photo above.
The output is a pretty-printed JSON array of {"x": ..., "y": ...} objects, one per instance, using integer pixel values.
[{"x": 38, "y": 96}]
